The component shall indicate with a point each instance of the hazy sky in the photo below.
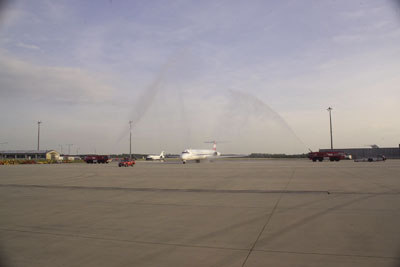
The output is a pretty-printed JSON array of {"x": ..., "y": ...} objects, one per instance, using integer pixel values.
[{"x": 258, "y": 75}]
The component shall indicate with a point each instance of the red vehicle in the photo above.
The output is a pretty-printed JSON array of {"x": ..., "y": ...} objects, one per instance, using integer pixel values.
[
  {"x": 333, "y": 156},
  {"x": 126, "y": 162},
  {"x": 96, "y": 159}
]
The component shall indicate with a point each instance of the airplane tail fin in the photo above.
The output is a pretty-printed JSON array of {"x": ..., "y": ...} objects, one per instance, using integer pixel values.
[
  {"x": 214, "y": 144},
  {"x": 162, "y": 154}
]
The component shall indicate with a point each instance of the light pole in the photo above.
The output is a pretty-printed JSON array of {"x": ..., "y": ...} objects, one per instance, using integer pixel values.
[
  {"x": 69, "y": 148},
  {"x": 330, "y": 122},
  {"x": 130, "y": 140},
  {"x": 38, "y": 134}
]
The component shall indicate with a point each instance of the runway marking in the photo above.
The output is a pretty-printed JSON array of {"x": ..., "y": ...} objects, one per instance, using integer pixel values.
[{"x": 194, "y": 246}]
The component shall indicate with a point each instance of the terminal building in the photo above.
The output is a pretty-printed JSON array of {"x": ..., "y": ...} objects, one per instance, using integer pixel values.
[
  {"x": 30, "y": 154},
  {"x": 357, "y": 153}
]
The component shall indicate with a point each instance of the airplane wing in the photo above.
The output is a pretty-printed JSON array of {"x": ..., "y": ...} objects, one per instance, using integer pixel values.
[{"x": 225, "y": 156}]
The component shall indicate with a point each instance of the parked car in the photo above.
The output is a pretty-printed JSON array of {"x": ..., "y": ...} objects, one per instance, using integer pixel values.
[{"x": 371, "y": 159}]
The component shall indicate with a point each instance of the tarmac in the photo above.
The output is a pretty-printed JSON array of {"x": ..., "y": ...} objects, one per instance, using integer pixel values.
[{"x": 222, "y": 213}]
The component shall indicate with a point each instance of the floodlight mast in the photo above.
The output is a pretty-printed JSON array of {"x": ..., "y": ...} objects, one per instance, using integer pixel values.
[
  {"x": 69, "y": 148},
  {"x": 130, "y": 140},
  {"x": 330, "y": 122},
  {"x": 38, "y": 137}
]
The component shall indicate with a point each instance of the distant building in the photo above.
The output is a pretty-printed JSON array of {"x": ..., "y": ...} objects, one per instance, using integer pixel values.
[
  {"x": 30, "y": 154},
  {"x": 69, "y": 158},
  {"x": 357, "y": 153}
]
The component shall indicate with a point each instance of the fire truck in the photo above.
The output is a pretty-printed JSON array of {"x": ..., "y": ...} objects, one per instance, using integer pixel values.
[
  {"x": 332, "y": 156},
  {"x": 96, "y": 159}
]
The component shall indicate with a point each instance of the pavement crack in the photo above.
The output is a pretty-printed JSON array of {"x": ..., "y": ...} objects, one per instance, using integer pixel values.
[
  {"x": 268, "y": 219},
  {"x": 177, "y": 190},
  {"x": 120, "y": 240}
]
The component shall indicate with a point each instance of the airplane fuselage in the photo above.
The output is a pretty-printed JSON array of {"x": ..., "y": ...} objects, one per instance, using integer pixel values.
[
  {"x": 156, "y": 157},
  {"x": 198, "y": 154},
  {"x": 153, "y": 158}
]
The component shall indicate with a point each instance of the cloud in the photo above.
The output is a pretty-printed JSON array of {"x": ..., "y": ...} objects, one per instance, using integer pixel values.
[
  {"x": 28, "y": 46},
  {"x": 26, "y": 80},
  {"x": 355, "y": 14},
  {"x": 366, "y": 12},
  {"x": 349, "y": 38},
  {"x": 92, "y": 67}
]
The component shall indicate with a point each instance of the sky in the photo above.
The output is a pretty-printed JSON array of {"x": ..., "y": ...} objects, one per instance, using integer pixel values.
[{"x": 257, "y": 76}]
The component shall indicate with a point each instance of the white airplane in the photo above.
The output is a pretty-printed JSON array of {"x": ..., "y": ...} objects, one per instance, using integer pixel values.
[
  {"x": 200, "y": 154},
  {"x": 160, "y": 157}
]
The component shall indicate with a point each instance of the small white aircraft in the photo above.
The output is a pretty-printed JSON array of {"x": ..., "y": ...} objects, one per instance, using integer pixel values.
[
  {"x": 200, "y": 154},
  {"x": 160, "y": 157}
]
